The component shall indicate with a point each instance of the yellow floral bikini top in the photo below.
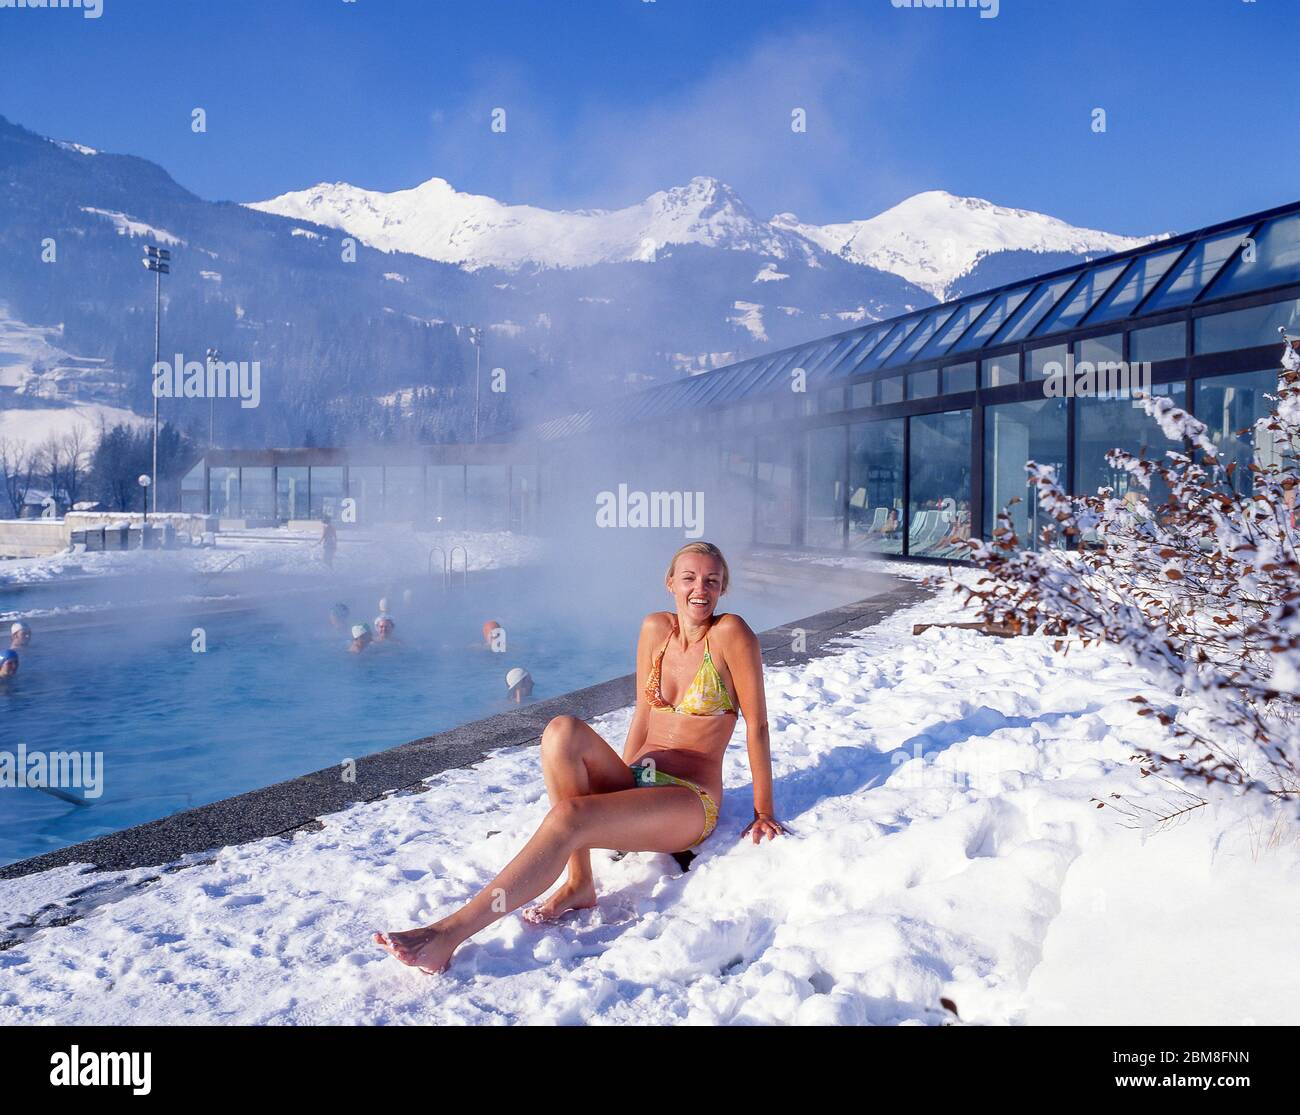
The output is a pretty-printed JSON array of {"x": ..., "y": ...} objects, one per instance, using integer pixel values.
[{"x": 705, "y": 696}]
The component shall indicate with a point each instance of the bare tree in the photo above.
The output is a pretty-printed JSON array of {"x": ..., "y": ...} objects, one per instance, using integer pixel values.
[
  {"x": 20, "y": 465},
  {"x": 1201, "y": 591}
]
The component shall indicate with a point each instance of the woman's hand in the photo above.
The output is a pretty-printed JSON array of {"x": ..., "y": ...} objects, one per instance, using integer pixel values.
[{"x": 763, "y": 824}]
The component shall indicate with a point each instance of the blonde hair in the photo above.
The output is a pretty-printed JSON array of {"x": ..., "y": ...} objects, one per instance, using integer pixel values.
[{"x": 708, "y": 549}]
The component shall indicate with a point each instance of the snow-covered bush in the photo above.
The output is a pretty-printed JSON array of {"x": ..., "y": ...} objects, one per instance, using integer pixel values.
[{"x": 1201, "y": 589}]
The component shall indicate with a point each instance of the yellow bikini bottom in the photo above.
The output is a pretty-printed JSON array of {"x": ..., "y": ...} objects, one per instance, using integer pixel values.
[{"x": 645, "y": 774}]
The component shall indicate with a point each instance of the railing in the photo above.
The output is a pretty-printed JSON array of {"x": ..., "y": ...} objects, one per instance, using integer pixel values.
[
  {"x": 210, "y": 575},
  {"x": 449, "y": 566}
]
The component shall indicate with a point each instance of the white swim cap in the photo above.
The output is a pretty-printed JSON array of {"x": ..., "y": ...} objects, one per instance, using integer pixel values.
[
  {"x": 359, "y": 629},
  {"x": 515, "y": 676},
  {"x": 383, "y": 604},
  {"x": 18, "y": 628}
]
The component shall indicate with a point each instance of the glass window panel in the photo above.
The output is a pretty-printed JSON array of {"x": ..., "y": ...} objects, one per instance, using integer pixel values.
[
  {"x": 998, "y": 311},
  {"x": 1001, "y": 370},
  {"x": 1039, "y": 358},
  {"x": 1118, "y": 423},
  {"x": 488, "y": 497},
  {"x": 1141, "y": 279},
  {"x": 861, "y": 395},
  {"x": 876, "y": 486},
  {"x": 959, "y": 377},
  {"x": 1231, "y": 404},
  {"x": 1014, "y": 434},
  {"x": 1276, "y": 260},
  {"x": 404, "y": 493},
  {"x": 920, "y": 335},
  {"x": 938, "y": 516},
  {"x": 832, "y": 400},
  {"x": 1160, "y": 342},
  {"x": 1109, "y": 347},
  {"x": 960, "y": 322},
  {"x": 763, "y": 412},
  {"x": 223, "y": 492},
  {"x": 889, "y": 391},
  {"x": 923, "y": 385},
  {"x": 194, "y": 491},
  {"x": 326, "y": 483},
  {"x": 523, "y": 498},
  {"x": 841, "y": 363},
  {"x": 1200, "y": 266},
  {"x": 813, "y": 358},
  {"x": 890, "y": 343},
  {"x": 854, "y": 360},
  {"x": 774, "y": 491},
  {"x": 1249, "y": 328},
  {"x": 771, "y": 375},
  {"x": 257, "y": 493},
  {"x": 291, "y": 492},
  {"x": 825, "y": 503},
  {"x": 832, "y": 358},
  {"x": 1091, "y": 287},
  {"x": 1034, "y": 309},
  {"x": 445, "y": 496},
  {"x": 366, "y": 489}
]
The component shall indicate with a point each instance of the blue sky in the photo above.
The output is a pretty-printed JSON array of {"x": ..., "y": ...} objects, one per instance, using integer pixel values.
[{"x": 608, "y": 100}]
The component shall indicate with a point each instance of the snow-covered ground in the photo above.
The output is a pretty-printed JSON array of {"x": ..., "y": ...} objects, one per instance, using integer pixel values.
[{"x": 945, "y": 844}]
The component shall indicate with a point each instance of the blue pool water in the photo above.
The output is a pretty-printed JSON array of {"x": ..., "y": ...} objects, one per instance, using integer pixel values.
[{"x": 276, "y": 695}]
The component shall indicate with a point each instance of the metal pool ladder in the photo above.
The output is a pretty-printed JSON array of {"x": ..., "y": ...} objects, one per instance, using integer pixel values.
[{"x": 449, "y": 565}]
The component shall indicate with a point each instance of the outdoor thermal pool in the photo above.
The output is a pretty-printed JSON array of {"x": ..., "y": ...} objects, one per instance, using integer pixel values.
[{"x": 276, "y": 695}]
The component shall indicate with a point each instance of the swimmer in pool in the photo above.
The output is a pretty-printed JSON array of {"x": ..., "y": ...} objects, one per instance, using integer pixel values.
[
  {"x": 8, "y": 663},
  {"x": 339, "y": 615},
  {"x": 19, "y": 635},
  {"x": 384, "y": 626},
  {"x": 494, "y": 636},
  {"x": 361, "y": 638},
  {"x": 696, "y": 672},
  {"x": 519, "y": 685}
]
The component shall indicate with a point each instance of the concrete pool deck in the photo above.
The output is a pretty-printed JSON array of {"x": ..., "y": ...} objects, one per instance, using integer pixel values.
[{"x": 286, "y": 807}]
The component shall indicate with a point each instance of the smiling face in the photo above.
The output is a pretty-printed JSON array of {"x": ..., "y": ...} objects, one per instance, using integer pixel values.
[{"x": 696, "y": 585}]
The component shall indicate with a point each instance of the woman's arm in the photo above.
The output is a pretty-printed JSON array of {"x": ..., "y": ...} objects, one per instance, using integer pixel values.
[
  {"x": 637, "y": 731},
  {"x": 745, "y": 662}
]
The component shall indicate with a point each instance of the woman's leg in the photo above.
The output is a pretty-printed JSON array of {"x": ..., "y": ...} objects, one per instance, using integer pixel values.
[
  {"x": 577, "y": 762},
  {"x": 661, "y": 819}
]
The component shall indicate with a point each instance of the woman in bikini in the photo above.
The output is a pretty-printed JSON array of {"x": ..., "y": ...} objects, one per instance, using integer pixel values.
[{"x": 695, "y": 671}]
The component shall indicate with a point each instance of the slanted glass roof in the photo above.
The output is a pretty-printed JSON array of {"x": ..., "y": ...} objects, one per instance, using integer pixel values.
[
  {"x": 1082, "y": 297},
  {"x": 992, "y": 319},
  {"x": 1142, "y": 276},
  {"x": 1276, "y": 260},
  {"x": 1116, "y": 292},
  {"x": 1198, "y": 267}
]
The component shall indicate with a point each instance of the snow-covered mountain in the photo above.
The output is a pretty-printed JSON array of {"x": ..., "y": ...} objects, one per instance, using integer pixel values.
[
  {"x": 931, "y": 239},
  {"x": 438, "y": 222},
  {"x": 934, "y": 238}
]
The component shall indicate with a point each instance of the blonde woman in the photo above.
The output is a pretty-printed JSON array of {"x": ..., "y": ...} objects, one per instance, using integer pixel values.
[{"x": 695, "y": 671}]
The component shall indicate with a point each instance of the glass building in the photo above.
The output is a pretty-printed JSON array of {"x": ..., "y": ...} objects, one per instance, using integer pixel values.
[
  {"x": 907, "y": 436},
  {"x": 476, "y": 487}
]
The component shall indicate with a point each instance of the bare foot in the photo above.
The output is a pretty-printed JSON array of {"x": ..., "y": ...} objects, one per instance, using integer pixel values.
[
  {"x": 567, "y": 898},
  {"x": 428, "y": 949}
]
